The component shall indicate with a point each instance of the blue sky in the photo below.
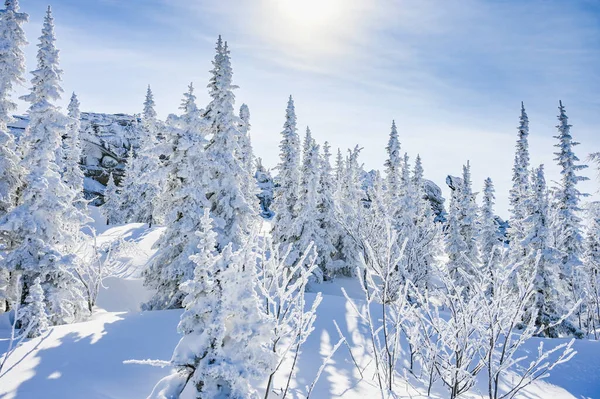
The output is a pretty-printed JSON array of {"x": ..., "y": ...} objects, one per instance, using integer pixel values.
[{"x": 451, "y": 73}]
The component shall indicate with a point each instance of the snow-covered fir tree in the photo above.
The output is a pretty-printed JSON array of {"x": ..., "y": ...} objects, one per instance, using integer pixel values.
[
  {"x": 285, "y": 201},
  {"x": 266, "y": 187},
  {"x": 468, "y": 214},
  {"x": 111, "y": 209},
  {"x": 73, "y": 174},
  {"x": 393, "y": 168},
  {"x": 461, "y": 235},
  {"x": 488, "y": 230},
  {"x": 543, "y": 260},
  {"x": 420, "y": 234},
  {"x": 140, "y": 187},
  {"x": 183, "y": 201},
  {"x": 46, "y": 225},
  {"x": 12, "y": 69},
  {"x": 350, "y": 211},
  {"x": 226, "y": 335},
  {"x": 329, "y": 229},
  {"x": 233, "y": 209},
  {"x": 566, "y": 205},
  {"x": 308, "y": 221},
  {"x": 520, "y": 181},
  {"x": 32, "y": 314}
]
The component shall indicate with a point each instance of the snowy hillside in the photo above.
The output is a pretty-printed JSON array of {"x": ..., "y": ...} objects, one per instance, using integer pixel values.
[{"x": 50, "y": 366}]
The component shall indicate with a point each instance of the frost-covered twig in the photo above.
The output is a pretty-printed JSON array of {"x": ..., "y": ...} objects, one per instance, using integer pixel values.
[{"x": 309, "y": 389}]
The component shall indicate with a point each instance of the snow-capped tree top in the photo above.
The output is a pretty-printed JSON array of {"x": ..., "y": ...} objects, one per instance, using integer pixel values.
[
  {"x": 418, "y": 172},
  {"x": 245, "y": 115},
  {"x": 47, "y": 77},
  {"x": 12, "y": 58},
  {"x": 149, "y": 112},
  {"x": 73, "y": 107}
]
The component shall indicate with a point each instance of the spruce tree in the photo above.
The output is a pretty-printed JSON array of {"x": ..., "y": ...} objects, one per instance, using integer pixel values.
[
  {"x": 140, "y": 187},
  {"x": 12, "y": 69},
  {"x": 566, "y": 221},
  {"x": 542, "y": 260},
  {"x": 183, "y": 200},
  {"x": 520, "y": 187},
  {"x": 488, "y": 235},
  {"x": 308, "y": 223},
  {"x": 112, "y": 204},
  {"x": 233, "y": 212},
  {"x": 46, "y": 226},
  {"x": 393, "y": 169},
  {"x": 329, "y": 229},
  {"x": 225, "y": 332},
  {"x": 285, "y": 201},
  {"x": 73, "y": 174}
]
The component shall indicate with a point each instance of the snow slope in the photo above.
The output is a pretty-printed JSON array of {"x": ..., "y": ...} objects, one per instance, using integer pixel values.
[{"x": 85, "y": 360}]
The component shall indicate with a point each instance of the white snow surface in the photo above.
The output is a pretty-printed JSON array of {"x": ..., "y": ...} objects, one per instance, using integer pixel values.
[{"x": 85, "y": 360}]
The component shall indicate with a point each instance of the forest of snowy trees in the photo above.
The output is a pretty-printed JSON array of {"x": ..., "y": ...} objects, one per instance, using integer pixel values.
[{"x": 461, "y": 292}]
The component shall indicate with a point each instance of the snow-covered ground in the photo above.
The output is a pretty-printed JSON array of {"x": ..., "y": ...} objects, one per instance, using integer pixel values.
[{"x": 85, "y": 360}]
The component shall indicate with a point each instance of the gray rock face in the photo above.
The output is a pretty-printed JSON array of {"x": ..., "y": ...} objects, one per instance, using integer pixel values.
[
  {"x": 433, "y": 193},
  {"x": 105, "y": 143}
]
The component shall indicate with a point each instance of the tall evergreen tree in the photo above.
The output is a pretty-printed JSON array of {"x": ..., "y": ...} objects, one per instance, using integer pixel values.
[
  {"x": 520, "y": 184},
  {"x": 45, "y": 225},
  {"x": 225, "y": 332},
  {"x": 308, "y": 223},
  {"x": 393, "y": 168},
  {"x": 285, "y": 201},
  {"x": 566, "y": 221},
  {"x": 329, "y": 229},
  {"x": 488, "y": 235},
  {"x": 233, "y": 212},
  {"x": 468, "y": 215},
  {"x": 73, "y": 174},
  {"x": 142, "y": 178},
  {"x": 12, "y": 69},
  {"x": 112, "y": 204},
  {"x": 542, "y": 260},
  {"x": 183, "y": 200}
]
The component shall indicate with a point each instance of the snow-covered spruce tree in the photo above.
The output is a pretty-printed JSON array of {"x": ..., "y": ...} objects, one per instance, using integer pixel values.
[
  {"x": 307, "y": 222},
  {"x": 226, "y": 336},
  {"x": 12, "y": 69},
  {"x": 338, "y": 172},
  {"x": 46, "y": 225},
  {"x": 329, "y": 229},
  {"x": 73, "y": 174},
  {"x": 142, "y": 178},
  {"x": 350, "y": 213},
  {"x": 461, "y": 243},
  {"x": 423, "y": 235},
  {"x": 488, "y": 230},
  {"x": 111, "y": 209},
  {"x": 233, "y": 209},
  {"x": 520, "y": 183},
  {"x": 32, "y": 315},
  {"x": 266, "y": 187},
  {"x": 591, "y": 261},
  {"x": 468, "y": 216},
  {"x": 543, "y": 261},
  {"x": 393, "y": 169},
  {"x": 566, "y": 221},
  {"x": 183, "y": 201},
  {"x": 287, "y": 189}
]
